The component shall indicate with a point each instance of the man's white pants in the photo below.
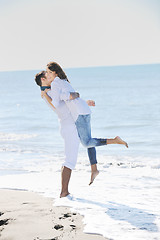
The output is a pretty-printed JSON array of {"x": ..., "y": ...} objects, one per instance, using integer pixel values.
[{"x": 71, "y": 143}]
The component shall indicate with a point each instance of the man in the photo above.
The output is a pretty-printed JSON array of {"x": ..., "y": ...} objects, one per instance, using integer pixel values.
[{"x": 68, "y": 131}]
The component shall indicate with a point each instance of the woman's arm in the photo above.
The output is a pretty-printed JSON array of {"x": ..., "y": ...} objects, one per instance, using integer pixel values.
[{"x": 47, "y": 98}]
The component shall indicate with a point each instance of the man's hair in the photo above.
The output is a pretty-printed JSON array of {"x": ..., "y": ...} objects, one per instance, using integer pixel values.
[{"x": 38, "y": 77}]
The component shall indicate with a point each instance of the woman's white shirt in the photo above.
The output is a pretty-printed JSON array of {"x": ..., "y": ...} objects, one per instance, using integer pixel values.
[{"x": 60, "y": 91}]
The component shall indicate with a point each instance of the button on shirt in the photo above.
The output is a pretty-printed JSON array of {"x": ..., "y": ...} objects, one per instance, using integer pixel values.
[{"x": 60, "y": 91}]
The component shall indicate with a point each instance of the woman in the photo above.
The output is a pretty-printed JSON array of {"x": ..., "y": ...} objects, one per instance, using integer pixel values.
[{"x": 60, "y": 90}]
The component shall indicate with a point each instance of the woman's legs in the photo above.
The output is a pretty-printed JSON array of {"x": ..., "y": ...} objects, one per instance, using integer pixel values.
[
  {"x": 84, "y": 131},
  {"x": 116, "y": 140},
  {"x": 94, "y": 173},
  {"x": 93, "y": 162}
]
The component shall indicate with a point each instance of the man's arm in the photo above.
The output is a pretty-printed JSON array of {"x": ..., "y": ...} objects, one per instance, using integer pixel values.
[
  {"x": 69, "y": 95},
  {"x": 73, "y": 95}
]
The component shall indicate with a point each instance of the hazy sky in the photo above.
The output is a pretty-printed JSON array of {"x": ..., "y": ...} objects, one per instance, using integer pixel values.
[{"x": 78, "y": 33}]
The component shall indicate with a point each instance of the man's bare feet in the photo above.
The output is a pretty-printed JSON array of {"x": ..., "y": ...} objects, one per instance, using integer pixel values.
[
  {"x": 64, "y": 194},
  {"x": 93, "y": 176},
  {"x": 120, "y": 141}
]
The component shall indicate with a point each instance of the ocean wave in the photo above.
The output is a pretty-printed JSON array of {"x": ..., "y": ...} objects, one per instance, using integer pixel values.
[
  {"x": 15, "y": 136},
  {"x": 5, "y": 171},
  {"x": 23, "y": 150},
  {"x": 130, "y": 126},
  {"x": 128, "y": 162}
]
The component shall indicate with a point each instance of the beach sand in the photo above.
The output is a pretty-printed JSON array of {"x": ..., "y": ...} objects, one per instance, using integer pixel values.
[{"x": 29, "y": 216}]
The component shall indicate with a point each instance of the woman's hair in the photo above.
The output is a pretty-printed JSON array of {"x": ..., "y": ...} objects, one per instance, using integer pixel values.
[
  {"x": 55, "y": 67},
  {"x": 38, "y": 78}
]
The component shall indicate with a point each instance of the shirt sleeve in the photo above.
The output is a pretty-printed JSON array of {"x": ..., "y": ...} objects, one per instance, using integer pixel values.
[
  {"x": 55, "y": 93},
  {"x": 65, "y": 96}
]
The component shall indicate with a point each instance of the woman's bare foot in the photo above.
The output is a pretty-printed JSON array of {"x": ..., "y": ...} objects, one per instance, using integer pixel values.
[
  {"x": 93, "y": 176},
  {"x": 120, "y": 141}
]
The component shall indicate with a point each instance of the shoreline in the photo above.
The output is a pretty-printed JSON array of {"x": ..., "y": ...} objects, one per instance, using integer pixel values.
[{"x": 30, "y": 216}]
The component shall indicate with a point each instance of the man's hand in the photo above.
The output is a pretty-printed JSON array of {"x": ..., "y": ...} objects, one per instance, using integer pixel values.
[
  {"x": 91, "y": 103},
  {"x": 74, "y": 95}
]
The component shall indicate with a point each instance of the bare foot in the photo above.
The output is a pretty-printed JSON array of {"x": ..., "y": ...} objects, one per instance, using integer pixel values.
[
  {"x": 120, "y": 141},
  {"x": 93, "y": 176},
  {"x": 64, "y": 194}
]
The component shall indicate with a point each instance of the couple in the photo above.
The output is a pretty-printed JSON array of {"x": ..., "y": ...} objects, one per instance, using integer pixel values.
[{"x": 74, "y": 115}]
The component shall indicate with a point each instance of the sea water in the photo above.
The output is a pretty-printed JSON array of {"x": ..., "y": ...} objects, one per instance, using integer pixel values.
[{"x": 123, "y": 202}]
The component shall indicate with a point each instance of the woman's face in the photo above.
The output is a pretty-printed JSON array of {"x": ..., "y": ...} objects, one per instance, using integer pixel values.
[{"x": 50, "y": 75}]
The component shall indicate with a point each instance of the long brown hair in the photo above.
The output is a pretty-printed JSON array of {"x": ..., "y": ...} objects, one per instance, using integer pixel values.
[{"x": 55, "y": 67}]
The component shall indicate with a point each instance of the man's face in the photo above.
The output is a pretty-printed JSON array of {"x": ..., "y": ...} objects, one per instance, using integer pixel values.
[{"x": 46, "y": 81}]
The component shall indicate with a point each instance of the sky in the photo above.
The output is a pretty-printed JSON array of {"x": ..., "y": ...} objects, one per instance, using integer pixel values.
[{"x": 78, "y": 33}]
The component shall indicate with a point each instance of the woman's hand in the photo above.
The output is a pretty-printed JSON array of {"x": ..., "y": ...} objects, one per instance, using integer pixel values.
[
  {"x": 46, "y": 90},
  {"x": 74, "y": 95},
  {"x": 42, "y": 94},
  {"x": 91, "y": 103}
]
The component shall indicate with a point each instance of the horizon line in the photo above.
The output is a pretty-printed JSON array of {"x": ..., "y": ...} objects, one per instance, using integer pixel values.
[{"x": 109, "y": 66}]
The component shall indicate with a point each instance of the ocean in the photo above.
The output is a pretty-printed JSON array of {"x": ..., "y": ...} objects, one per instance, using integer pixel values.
[{"x": 123, "y": 202}]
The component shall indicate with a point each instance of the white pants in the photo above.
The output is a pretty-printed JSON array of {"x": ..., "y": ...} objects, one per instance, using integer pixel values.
[{"x": 71, "y": 143}]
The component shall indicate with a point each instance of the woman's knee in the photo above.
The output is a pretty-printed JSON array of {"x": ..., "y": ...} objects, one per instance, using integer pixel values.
[{"x": 86, "y": 144}]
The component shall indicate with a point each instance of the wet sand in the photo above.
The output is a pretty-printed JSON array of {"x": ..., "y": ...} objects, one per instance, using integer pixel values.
[{"x": 29, "y": 216}]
